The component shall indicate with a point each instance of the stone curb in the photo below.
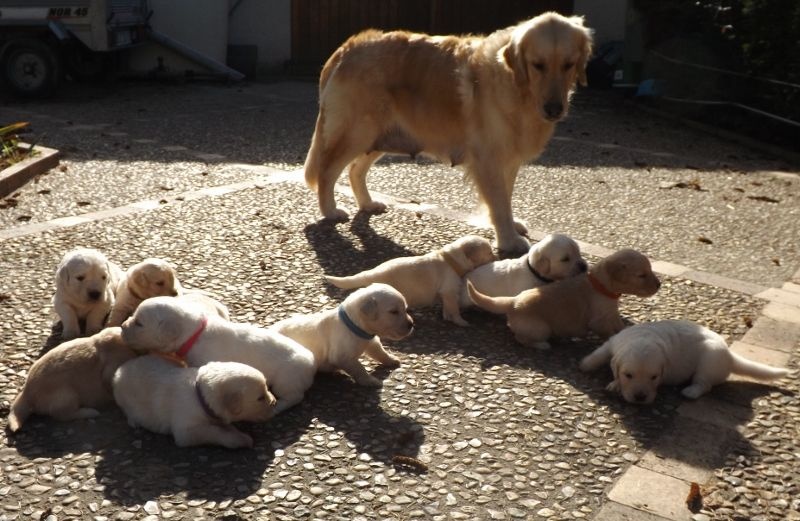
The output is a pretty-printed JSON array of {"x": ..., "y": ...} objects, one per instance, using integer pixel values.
[{"x": 20, "y": 173}]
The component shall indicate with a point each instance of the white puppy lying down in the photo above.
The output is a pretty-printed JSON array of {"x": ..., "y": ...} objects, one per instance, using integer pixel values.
[
  {"x": 337, "y": 337},
  {"x": 671, "y": 352},
  {"x": 149, "y": 278},
  {"x": 182, "y": 327},
  {"x": 555, "y": 257},
  {"x": 195, "y": 405},
  {"x": 423, "y": 278},
  {"x": 85, "y": 285}
]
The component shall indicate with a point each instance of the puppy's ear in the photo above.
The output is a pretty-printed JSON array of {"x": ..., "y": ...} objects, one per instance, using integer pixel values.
[
  {"x": 369, "y": 308},
  {"x": 617, "y": 270},
  {"x": 62, "y": 273},
  {"x": 516, "y": 62},
  {"x": 542, "y": 265},
  {"x": 169, "y": 332},
  {"x": 139, "y": 279},
  {"x": 233, "y": 401}
]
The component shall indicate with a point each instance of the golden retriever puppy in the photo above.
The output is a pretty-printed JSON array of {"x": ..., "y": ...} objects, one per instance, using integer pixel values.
[
  {"x": 423, "y": 278},
  {"x": 488, "y": 103},
  {"x": 671, "y": 352},
  {"x": 86, "y": 282},
  {"x": 147, "y": 279},
  {"x": 174, "y": 325},
  {"x": 338, "y": 337},
  {"x": 553, "y": 258},
  {"x": 575, "y": 306},
  {"x": 71, "y": 380},
  {"x": 195, "y": 405}
]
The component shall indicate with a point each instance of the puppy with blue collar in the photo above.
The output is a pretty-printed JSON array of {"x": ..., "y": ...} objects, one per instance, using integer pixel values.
[{"x": 338, "y": 337}]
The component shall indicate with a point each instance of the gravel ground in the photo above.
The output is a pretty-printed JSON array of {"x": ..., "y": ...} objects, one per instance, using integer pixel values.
[
  {"x": 613, "y": 174},
  {"x": 505, "y": 432}
]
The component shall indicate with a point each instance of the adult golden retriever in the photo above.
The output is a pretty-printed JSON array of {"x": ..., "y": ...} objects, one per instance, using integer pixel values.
[{"x": 489, "y": 103}]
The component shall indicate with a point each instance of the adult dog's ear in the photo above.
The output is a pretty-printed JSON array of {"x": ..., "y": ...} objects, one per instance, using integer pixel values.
[
  {"x": 585, "y": 47},
  {"x": 516, "y": 62}
]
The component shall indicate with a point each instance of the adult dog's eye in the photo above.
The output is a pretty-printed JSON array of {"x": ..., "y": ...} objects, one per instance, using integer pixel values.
[
  {"x": 565, "y": 259},
  {"x": 394, "y": 312},
  {"x": 568, "y": 66},
  {"x": 161, "y": 284},
  {"x": 628, "y": 375},
  {"x": 654, "y": 377},
  {"x": 80, "y": 278},
  {"x": 539, "y": 66}
]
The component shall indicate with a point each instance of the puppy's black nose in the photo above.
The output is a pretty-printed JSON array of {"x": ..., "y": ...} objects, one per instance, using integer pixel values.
[
  {"x": 174, "y": 293},
  {"x": 582, "y": 266},
  {"x": 640, "y": 397},
  {"x": 410, "y": 324},
  {"x": 553, "y": 109},
  {"x": 94, "y": 295}
]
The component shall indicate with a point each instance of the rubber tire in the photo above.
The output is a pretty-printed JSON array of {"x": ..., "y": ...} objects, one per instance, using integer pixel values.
[{"x": 42, "y": 63}]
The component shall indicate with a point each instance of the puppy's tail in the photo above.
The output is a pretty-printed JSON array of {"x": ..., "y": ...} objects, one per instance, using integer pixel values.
[
  {"x": 743, "y": 366},
  {"x": 20, "y": 410},
  {"x": 352, "y": 282},
  {"x": 499, "y": 305}
]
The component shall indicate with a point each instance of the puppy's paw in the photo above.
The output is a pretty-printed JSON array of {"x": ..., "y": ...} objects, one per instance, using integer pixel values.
[
  {"x": 370, "y": 381},
  {"x": 373, "y": 207},
  {"x": 458, "y": 321},
  {"x": 69, "y": 335},
  {"x": 693, "y": 392},
  {"x": 391, "y": 362},
  {"x": 613, "y": 387},
  {"x": 587, "y": 364}
]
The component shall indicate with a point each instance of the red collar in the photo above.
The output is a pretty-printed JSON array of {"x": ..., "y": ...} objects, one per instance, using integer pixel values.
[
  {"x": 598, "y": 287},
  {"x": 189, "y": 344}
]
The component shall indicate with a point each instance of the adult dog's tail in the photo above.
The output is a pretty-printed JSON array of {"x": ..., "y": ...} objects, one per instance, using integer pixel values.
[
  {"x": 354, "y": 281},
  {"x": 756, "y": 370},
  {"x": 499, "y": 305},
  {"x": 20, "y": 410}
]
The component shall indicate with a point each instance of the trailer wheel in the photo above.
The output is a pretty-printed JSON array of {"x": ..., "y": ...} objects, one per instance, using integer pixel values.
[{"x": 31, "y": 68}]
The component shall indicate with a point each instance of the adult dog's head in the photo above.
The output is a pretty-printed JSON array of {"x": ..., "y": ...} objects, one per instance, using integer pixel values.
[
  {"x": 548, "y": 56},
  {"x": 83, "y": 276},
  {"x": 153, "y": 278}
]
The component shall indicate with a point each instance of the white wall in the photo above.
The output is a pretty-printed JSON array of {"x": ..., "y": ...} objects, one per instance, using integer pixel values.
[
  {"x": 606, "y": 17},
  {"x": 266, "y": 24}
]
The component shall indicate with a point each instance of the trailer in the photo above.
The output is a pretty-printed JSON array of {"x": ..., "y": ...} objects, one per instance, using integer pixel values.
[{"x": 41, "y": 40}]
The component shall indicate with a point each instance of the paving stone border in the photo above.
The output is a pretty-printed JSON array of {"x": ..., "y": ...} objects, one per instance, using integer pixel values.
[{"x": 20, "y": 173}]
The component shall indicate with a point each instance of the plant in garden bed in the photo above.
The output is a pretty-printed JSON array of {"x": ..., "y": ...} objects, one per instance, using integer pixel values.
[{"x": 11, "y": 150}]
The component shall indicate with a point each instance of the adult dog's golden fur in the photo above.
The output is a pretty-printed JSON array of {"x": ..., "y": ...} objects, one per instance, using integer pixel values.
[{"x": 489, "y": 103}]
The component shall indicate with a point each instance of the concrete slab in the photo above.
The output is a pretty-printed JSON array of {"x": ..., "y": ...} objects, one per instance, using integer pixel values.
[
  {"x": 760, "y": 354},
  {"x": 652, "y": 492},
  {"x": 724, "y": 282},
  {"x": 791, "y": 287},
  {"x": 716, "y": 412},
  {"x": 780, "y": 296},
  {"x": 613, "y": 511},
  {"x": 669, "y": 269},
  {"x": 773, "y": 334},
  {"x": 777, "y": 311}
]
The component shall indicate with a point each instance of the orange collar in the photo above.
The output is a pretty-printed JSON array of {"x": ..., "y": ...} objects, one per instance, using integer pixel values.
[
  {"x": 453, "y": 263},
  {"x": 598, "y": 287}
]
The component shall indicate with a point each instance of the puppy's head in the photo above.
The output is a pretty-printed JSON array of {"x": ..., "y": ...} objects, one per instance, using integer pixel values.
[
  {"x": 629, "y": 272},
  {"x": 557, "y": 257},
  {"x": 547, "y": 55},
  {"x": 638, "y": 368},
  {"x": 236, "y": 392},
  {"x": 471, "y": 251},
  {"x": 381, "y": 309},
  {"x": 153, "y": 278},
  {"x": 161, "y": 324},
  {"x": 84, "y": 275}
]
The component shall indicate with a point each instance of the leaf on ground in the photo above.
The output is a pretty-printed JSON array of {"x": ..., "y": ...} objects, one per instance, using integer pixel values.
[
  {"x": 776, "y": 262},
  {"x": 694, "y": 184},
  {"x": 705, "y": 240},
  {"x": 44, "y": 191},
  {"x": 83, "y": 203},
  {"x": 738, "y": 189},
  {"x": 24, "y": 218},
  {"x": 167, "y": 188},
  {"x": 763, "y": 198}
]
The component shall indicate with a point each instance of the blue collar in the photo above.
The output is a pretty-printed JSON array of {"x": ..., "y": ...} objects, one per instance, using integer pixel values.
[
  {"x": 357, "y": 331},
  {"x": 536, "y": 273},
  {"x": 204, "y": 404}
]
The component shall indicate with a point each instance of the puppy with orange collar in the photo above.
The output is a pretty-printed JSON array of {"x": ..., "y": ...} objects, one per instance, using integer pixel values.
[{"x": 575, "y": 306}]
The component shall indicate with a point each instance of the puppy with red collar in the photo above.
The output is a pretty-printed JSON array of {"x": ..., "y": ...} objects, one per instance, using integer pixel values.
[{"x": 338, "y": 337}]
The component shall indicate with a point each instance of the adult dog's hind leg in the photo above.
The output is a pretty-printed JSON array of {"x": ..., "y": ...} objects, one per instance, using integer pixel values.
[{"x": 358, "y": 182}]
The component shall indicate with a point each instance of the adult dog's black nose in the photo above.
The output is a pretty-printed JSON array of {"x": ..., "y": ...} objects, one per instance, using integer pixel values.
[
  {"x": 553, "y": 109},
  {"x": 640, "y": 397},
  {"x": 94, "y": 295}
]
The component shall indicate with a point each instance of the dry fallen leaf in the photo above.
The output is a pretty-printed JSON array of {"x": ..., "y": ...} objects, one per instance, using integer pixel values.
[
  {"x": 694, "y": 501},
  {"x": 705, "y": 240},
  {"x": 763, "y": 198}
]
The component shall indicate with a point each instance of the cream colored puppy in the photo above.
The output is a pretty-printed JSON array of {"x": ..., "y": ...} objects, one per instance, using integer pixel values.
[
  {"x": 188, "y": 330},
  {"x": 671, "y": 352},
  {"x": 337, "y": 337},
  {"x": 423, "y": 278},
  {"x": 71, "y": 380},
  {"x": 555, "y": 257},
  {"x": 85, "y": 285},
  {"x": 149, "y": 278},
  {"x": 575, "y": 306},
  {"x": 195, "y": 405}
]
